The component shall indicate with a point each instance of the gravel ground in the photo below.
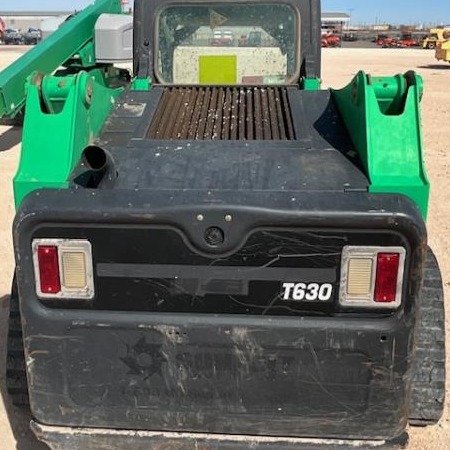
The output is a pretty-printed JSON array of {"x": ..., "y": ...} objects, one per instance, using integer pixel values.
[{"x": 339, "y": 66}]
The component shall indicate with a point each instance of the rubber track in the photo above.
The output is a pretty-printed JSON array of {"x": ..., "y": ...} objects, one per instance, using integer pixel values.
[
  {"x": 428, "y": 388},
  {"x": 16, "y": 377}
]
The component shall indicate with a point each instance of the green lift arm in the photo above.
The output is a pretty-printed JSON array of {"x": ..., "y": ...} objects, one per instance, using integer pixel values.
[
  {"x": 64, "y": 90},
  {"x": 74, "y": 38}
]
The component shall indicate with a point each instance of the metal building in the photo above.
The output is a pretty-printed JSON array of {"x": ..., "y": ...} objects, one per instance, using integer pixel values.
[
  {"x": 335, "y": 21},
  {"x": 23, "y": 20}
]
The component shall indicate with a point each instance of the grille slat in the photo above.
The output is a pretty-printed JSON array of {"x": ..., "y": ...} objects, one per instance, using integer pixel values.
[
  {"x": 242, "y": 116},
  {"x": 258, "y": 115},
  {"x": 167, "y": 116},
  {"x": 287, "y": 117},
  {"x": 174, "y": 114},
  {"x": 189, "y": 106},
  {"x": 204, "y": 113},
  {"x": 227, "y": 115},
  {"x": 204, "y": 110},
  {"x": 273, "y": 115},
  {"x": 181, "y": 111},
  {"x": 155, "y": 128},
  {"x": 219, "y": 116},
  {"x": 196, "y": 115},
  {"x": 280, "y": 119},
  {"x": 265, "y": 113},
  {"x": 212, "y": 113},
  {"x": 234, "y": 115},
  {"x": 250, "y": 115}
]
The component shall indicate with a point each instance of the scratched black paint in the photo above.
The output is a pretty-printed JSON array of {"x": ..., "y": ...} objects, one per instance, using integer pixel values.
[
  {"x": 326, "y": 374},
  {"x": 158, "y": 375}
]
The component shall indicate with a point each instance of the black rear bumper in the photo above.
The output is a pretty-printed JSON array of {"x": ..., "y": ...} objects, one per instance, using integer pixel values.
[
  {"x": 60, "y": 438},
  {"x": 334, "y": 376},
  {"x": 281, "y": 377}
]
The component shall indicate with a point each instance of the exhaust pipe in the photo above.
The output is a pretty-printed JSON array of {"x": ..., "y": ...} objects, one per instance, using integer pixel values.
[{"x": 96, "y": 169}]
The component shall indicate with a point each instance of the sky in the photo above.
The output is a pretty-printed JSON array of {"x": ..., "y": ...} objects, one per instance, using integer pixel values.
[
  {"x": 393, "y": 11},
  {"x": 362, "y": 11}
]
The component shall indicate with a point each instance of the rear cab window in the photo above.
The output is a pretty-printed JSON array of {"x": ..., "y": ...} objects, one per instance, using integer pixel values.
[{"x": 227, "y": 44}]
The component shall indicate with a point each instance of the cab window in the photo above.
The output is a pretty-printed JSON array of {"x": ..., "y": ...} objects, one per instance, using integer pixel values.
[{"x": 226, "y": 43}]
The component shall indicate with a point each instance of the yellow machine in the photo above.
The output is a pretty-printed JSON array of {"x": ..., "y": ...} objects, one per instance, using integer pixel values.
[
  {"x": 436, "y": 35},
  {"x": 443, "y": 48}
]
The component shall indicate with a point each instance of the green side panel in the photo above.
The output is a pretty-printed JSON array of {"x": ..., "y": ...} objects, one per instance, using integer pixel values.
[
  {"x": 311, "y": 84},
  {"x": 217, "y": 69},
  {"x": 141, "y": 84},
  {"x": 46, "y": 57},
  {"x": 52, "y": 142},
  {"x": 383, "y": 118}
]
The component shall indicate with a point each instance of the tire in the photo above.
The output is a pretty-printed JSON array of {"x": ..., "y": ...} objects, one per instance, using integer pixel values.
[
  {"x": 16, "y": 376},
  {"x": 428, "y": 383},
  {"x": 16, "y": 121},
  {"x": 431, "y": 46}
]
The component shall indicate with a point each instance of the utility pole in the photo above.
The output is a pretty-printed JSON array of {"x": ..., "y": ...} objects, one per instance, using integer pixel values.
[{"x": 350, "y": 13}]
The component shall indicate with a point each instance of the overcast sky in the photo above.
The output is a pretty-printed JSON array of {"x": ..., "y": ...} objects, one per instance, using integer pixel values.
[{"x": 394, "y": 11}]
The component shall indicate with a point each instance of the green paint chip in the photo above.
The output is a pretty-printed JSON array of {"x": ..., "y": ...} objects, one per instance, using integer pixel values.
[{"x": 217, "y": 69}]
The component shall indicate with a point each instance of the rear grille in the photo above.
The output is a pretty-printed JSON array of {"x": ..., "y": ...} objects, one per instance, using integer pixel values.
[{"x": 223, "y": 113}]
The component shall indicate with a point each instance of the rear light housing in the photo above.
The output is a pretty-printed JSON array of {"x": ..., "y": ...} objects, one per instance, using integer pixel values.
[
  {"x": 63, "y": 268},
  {"x": 372, "y": 277}
]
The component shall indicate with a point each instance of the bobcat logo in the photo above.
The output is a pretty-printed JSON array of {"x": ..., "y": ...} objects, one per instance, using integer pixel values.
[{"x": 144, "y": 359}]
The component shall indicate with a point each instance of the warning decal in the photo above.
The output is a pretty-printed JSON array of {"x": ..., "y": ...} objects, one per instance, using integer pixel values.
[{"x": 216, "y": 19}]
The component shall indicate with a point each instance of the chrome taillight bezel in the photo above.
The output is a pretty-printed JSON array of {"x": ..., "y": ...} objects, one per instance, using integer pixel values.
[
  {"x": 68, "y": 245},
  {"x": 368, "y": 302}
]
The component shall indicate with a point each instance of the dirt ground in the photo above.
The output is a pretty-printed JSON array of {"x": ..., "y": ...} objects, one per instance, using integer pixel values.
[{"x": 339, "y": 65}]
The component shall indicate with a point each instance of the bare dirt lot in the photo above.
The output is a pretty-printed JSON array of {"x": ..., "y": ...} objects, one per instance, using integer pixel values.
[{"x": 339, "y": 66}]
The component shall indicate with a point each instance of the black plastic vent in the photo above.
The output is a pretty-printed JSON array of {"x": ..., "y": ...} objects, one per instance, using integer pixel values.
[{"x": 223, "y": 113}]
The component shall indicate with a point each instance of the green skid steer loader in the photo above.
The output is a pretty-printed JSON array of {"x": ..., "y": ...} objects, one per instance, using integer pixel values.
[{"x": 213, "y": 252}]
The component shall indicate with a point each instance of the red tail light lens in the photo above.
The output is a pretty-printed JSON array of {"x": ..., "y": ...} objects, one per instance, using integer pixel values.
[
  {"x": 49, "y": 269},
  {"x": 387, "y": 277}
]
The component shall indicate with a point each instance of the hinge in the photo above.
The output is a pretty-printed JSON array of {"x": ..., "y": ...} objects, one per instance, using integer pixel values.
[{"x": 143, "y": 68}]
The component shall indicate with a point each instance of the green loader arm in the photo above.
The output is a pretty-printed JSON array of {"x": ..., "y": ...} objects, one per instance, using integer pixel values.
[{"x": 65, "y": 43}]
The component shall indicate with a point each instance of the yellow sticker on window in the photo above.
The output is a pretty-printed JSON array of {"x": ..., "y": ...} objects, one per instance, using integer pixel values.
[{"x": 220, "y": 69}]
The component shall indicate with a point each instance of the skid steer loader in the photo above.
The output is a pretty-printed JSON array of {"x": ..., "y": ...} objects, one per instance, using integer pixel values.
[{"x": 213, "y": 252}]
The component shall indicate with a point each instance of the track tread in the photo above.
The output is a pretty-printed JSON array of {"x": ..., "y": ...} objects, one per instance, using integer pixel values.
[
  {"x": 16, "y": 376},
  {"x": 428, "y": 385}
]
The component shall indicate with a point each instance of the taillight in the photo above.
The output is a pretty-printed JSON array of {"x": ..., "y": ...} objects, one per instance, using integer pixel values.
[
  {"x": 372, "y": 277},
  {"x": 387, "y": 277},
  {"x": 48, "y": 269},
  {"x": 63, "y": 268}
]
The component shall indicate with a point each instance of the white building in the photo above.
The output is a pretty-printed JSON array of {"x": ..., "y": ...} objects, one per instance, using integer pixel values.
[
  {"x": 335, "y": 21},
  {"x": 23, "y": 20},
  {"x": 33, "y": 19}
]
